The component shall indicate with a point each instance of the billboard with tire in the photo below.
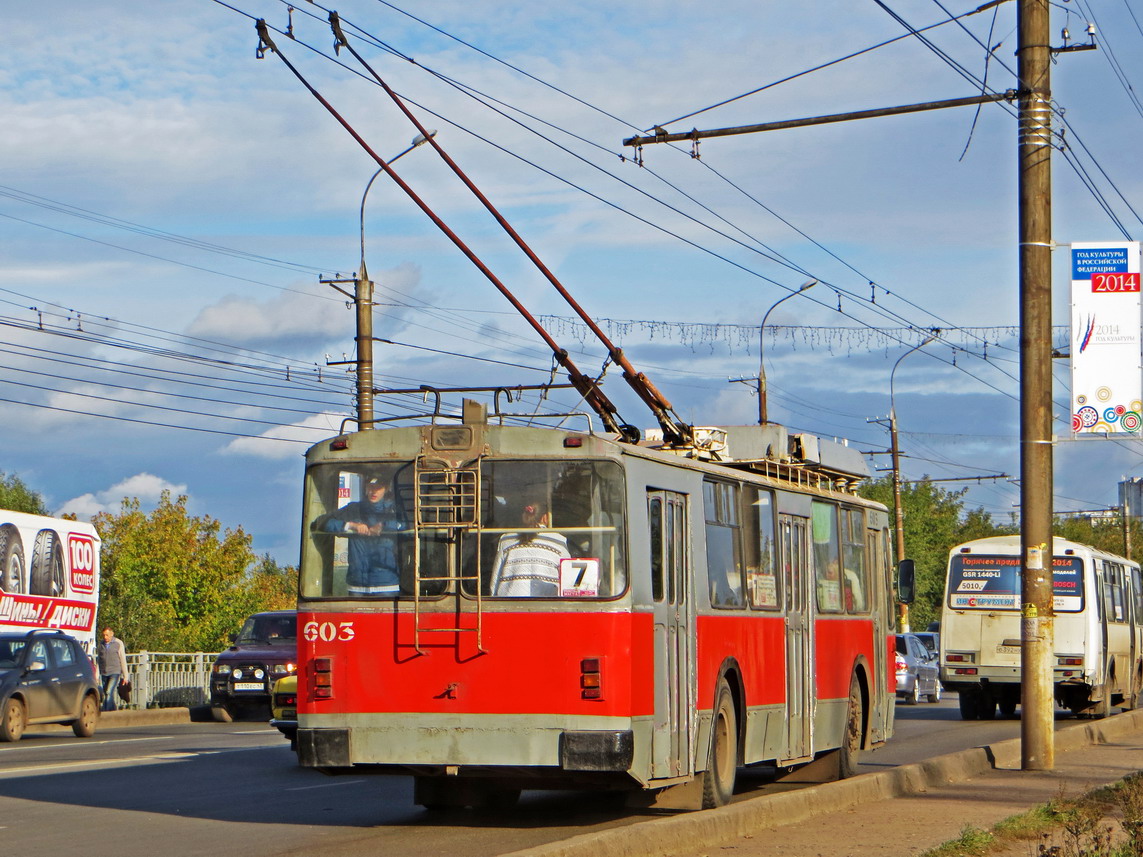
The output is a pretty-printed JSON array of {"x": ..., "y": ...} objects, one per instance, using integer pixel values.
[{"x": 49, "y": 574}]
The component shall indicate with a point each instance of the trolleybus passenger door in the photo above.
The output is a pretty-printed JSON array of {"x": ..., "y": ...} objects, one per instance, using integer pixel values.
[
  {"x": 794, "y": 548},
  {"x": 877, "y": 560},
  {"x": 671, "y": 743}
]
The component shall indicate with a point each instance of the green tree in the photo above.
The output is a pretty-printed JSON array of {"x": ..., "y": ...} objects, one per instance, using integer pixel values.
[
  {"x": 15, "y": 496},
  {"x": 1103, "y": 533},
  {"x": 173, "y": 582},
  {"x": 934, "y": 521}
]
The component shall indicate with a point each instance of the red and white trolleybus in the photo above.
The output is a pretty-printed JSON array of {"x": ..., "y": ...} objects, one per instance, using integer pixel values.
[{"x": 709, "y": 608}]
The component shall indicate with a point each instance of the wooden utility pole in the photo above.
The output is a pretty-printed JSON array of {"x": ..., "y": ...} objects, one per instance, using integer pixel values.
[{"x": 1037, "y": 747}]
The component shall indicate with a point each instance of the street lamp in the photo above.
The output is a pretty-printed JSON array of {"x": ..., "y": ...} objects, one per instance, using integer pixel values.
[
  {"x": 762, "y": 352},
  {"x": 898, "y": 514},
  {"x": 363, "y": 303}
]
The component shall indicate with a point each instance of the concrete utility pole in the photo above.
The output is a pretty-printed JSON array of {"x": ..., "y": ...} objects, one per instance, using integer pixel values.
[
  {"x": 1037, "y": 748},
  {"x": 363, "y": 306}
]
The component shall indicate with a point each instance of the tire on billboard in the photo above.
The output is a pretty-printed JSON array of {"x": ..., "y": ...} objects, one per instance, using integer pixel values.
[
  {"x": 11, "y": 559},
  {"x": 48, "y": 565}
]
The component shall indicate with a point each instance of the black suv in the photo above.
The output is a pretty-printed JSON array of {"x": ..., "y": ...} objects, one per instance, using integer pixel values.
[
  {"x": 242, "y": 677},
  {"x": 46, "y": 677}
]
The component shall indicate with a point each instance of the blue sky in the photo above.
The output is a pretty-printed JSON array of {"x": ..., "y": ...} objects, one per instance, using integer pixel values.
[{"x": 168, "y": 202}]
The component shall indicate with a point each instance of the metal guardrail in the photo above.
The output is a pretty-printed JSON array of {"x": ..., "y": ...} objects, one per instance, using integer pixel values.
[{"x": 169, "y": 679}]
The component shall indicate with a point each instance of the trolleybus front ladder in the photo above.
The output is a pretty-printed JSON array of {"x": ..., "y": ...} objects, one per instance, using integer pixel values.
[{"x": 446, "y": 498}]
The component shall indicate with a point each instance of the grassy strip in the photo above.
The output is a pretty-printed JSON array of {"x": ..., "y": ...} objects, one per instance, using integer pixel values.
[{"x": 1105, "y": 822}]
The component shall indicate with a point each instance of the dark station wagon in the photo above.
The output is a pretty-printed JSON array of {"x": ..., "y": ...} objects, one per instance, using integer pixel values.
[{"x": 265, "y": 650}]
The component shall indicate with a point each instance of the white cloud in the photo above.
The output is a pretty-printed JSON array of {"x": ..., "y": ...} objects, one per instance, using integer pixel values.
[
  {"x": 298, "y": 321},
  {"x": 278, "y": 443},
  {"x": 144, "y": 486}
]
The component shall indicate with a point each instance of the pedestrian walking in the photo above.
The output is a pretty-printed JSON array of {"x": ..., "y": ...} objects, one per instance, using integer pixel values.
[{"x": 112, "y": 668}]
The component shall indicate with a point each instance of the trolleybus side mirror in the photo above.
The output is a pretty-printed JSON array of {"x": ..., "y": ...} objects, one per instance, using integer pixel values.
[{"x": 906, "y": 572}]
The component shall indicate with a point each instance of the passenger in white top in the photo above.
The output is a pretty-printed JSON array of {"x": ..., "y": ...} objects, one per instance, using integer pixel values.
[{"x": 528, "y": 563}]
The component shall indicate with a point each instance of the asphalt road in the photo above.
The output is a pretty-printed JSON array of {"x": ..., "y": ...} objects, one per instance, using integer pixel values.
[{"x": 209, "y": 788}]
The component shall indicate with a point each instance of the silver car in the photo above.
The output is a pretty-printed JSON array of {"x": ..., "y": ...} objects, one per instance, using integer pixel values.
[
  {"x": 931, "y": 639},
  {"x": 916, "y": 671}
]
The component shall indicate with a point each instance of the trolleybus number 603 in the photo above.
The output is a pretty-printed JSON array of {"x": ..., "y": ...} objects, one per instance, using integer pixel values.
[{"x": 327, "y": 632}]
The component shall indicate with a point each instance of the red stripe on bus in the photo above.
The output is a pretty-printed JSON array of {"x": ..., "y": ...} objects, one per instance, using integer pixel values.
[{"x": 531, "y": 663}]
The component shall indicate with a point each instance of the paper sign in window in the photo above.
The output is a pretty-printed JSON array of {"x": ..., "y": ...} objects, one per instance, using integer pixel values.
[{"x": 579, "y": 578}]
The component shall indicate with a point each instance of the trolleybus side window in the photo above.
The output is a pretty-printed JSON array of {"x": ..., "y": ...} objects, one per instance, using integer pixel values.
[
  {"x": 855, "y": 581},
  {"x": 655, "y": 511},
  {"x": 761, "y": 550},
  {"x": 827, "y": 557},
  {"x": 723, "y": 544},
  {"x": 666, "y": 547}
]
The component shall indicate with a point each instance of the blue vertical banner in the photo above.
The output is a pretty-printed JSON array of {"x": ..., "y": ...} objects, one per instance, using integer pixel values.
[{"x": 1107, "y": 373}]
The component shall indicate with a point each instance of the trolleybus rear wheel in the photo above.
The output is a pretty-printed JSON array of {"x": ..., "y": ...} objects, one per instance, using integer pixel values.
[{"x": 718, "y": 784}]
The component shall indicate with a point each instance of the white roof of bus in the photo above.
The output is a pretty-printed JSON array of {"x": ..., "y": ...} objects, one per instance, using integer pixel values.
[{"x": 1011, "y": 545}]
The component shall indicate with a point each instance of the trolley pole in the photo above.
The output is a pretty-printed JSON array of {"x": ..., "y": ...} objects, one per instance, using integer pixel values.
[{"x": 1035, "y": 205}]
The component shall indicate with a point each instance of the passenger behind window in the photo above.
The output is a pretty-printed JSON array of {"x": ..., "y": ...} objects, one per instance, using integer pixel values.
[
  {"x": 854, "y": 594},
  {"x": 371, "y": 525},
  {"x": 527, "y": 563}
]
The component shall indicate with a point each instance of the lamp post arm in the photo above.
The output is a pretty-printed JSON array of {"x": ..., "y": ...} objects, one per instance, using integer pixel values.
[{"x": 762, "y": 349}]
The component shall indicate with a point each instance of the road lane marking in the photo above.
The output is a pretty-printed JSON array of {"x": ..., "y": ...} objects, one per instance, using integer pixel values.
[
  {"x": 96, "y": 764},
  {"x": 322, "y": 786}
]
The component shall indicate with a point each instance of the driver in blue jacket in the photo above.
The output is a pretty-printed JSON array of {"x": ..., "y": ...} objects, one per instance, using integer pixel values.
[{"x": 369, "y": 523}]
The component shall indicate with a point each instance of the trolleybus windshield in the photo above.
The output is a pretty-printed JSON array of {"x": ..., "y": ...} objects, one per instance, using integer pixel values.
[
  {"x": 992, "y": 582},
  {"x": 513, "y": 528}
]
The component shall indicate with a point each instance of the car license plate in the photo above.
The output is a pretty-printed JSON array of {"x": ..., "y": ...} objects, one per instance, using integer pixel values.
[
  {"x": 1007, "y": 650},
  {"x": 248, "y": 685}
]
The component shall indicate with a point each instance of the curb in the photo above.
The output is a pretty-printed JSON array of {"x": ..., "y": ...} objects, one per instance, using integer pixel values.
[
  {"x": 122, "y": 719},
  {"x": 713, "y": 827}
]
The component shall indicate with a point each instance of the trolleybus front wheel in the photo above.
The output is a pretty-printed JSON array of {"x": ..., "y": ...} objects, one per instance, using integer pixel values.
[
  {"x": 851, "y": 741},
  {"x": 718, "y": 783}
]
